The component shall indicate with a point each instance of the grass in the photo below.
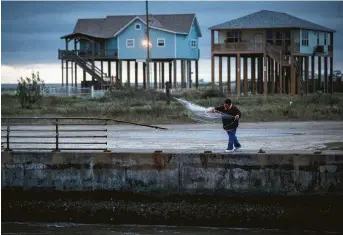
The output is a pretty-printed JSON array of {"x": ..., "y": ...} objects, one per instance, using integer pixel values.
[
  {"x": 333, "y": 146},
  {"x": 138, "y": 106}
]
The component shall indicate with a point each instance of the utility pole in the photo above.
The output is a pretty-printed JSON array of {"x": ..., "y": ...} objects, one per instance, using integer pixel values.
[{"x": 148, "y": 45}]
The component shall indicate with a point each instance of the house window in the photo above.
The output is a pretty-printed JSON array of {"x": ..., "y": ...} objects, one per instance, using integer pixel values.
[
  {"x": 161, "y": 42},
  {"x": 194, "y": 43},
  {"x": 138, "y": 26},
  {"x": 304, "y": 39},
  {"x": 325, "y": 38},
  {"x": 130, "y": 43},
  {"x": 233, "y": 37}
]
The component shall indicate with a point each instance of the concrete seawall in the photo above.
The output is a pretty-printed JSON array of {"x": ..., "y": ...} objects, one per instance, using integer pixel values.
[
  {"x": 241, "y": 189},
  {"x": 281, "y": 174}
]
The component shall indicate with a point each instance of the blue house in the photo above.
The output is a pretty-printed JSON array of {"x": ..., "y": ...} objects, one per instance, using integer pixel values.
[
  {"x": 123, "y": 38},
  {"x": 280, "y": 45}
]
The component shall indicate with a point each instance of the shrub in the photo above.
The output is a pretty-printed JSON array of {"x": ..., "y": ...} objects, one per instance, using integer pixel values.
[{"x": 30, "y": 90}]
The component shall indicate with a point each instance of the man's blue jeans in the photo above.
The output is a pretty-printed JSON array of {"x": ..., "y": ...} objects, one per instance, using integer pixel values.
[{"x": 233, "y": 141}]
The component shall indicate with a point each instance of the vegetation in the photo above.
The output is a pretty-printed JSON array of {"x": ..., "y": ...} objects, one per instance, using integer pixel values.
[
  {"x": 30, "y": 90},
  {"x": 148, "y": 107}
]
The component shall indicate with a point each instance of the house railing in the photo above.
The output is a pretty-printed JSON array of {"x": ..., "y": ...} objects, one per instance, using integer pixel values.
[
  {"x": 54, "y": 134},
  {"x": 248, "y": 46},
  {"x": 65, "y": 54}
]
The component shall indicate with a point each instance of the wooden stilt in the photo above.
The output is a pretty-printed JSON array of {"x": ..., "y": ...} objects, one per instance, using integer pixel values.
[
  {"x": 306, "y": 75},
  {"x": 245, "y": 69},
  {"x": 62, "y": 72},
  {"x": 155, "y": 75},
  {"x": 170, "y": 64},
  {"x": 314, "y": 85},
  {"x": 331, "y": 75},
  {"x": 136, "y": 74},
  {"x": 162, "y": 75},
  {"x": 67, "y": 79},
  {"x": 260, "y": 75},
  {"x": 196, "y": 75},
  {"x": 144, "y": 75},
  {"x": 75, "y": 75},
  {"x": 253, "y": 75},
  {"x": 325, "y": 75},
  {"x": 175, "y": 73},
  {"x": 238, "y": 75},
  {"x": 319, "y": 85},
  {"x": 128, "y": 74},
  {"x": 220, "y": 76},
  {"x": 228, "y": 76},
  {"x": 265, "y": 76}
]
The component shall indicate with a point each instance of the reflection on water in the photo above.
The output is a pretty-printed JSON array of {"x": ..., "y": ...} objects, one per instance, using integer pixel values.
[{"x": 103, "y": 229}]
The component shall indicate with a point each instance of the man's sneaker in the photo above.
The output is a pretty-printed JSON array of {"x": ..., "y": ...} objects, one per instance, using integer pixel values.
[
  {"x": 236, "y": 148},
  {"x": 229, "y": 151}
]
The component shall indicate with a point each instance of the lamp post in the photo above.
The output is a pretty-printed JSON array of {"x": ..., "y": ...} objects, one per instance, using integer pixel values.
[{"x": 148, "y": 44}]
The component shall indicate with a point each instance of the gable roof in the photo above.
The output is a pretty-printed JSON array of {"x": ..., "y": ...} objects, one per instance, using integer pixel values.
[
  {"x": 270, "y": 19},
  {"x": 111, "y": 25}
]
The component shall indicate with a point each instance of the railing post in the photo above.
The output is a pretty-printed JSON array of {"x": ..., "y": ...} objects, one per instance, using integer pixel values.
[
  {"x": 8, "y": 138},
  {"x": 57, "y": 135},
  {"x": 106, "y": 123}
]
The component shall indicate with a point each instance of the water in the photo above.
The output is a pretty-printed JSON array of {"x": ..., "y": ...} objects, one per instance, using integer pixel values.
[{"x": 103, "y": 229}]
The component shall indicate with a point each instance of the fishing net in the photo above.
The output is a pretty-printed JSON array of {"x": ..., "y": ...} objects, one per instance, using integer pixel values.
[{"x": 200, "y": 113}]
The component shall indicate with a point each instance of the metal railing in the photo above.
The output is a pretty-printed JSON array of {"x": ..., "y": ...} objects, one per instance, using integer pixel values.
[
  {"x": 58, "y": 133},
  {"x": 250, "y": 46}
]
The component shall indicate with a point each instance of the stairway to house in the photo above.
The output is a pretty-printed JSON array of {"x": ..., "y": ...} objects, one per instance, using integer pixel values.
[
  {"x": 276, "y": 53},
  {"x": 87, "y": 66}
]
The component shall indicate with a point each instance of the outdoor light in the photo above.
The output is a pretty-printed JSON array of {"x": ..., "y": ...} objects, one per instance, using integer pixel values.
[{"x": 144, "y": 43}]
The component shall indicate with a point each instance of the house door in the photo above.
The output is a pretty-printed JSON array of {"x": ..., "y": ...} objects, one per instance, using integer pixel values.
[{"x": 258, "y": 43}]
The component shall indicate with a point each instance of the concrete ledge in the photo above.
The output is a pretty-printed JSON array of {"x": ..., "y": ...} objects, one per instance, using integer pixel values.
[{"x": 165, "y": 173}]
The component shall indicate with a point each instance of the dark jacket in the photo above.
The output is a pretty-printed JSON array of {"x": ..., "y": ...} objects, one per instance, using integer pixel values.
[{"x": 229, "y": 123}]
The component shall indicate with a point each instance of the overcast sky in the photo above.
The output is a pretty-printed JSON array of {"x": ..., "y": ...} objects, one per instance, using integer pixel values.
[{"x": 31, "y": 31}]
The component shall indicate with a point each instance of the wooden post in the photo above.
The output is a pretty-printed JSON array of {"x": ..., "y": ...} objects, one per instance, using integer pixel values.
[
  {"x": 196, "y": 75},
  {"x": 144, "y": 75},
  {"x": 75, "y": 75},
  {"x": 136, "y": 74},
  {"x": 189, "y": 74},
  {"x": 67, "y": 79},
  {"x": 220, "y": 76},
  {"x": 121, "y": 72},
  {"x": 269, "y": 74},
  {"x": 128, "y": 74},
  {"x": 272, "y": 75},
  {"x": 102, "y": 70},
  {"x": 245, "y": 69},
  {"x": 228, "y": 75},
  {"x": 260, "y": 75},
  {"x": 299, "y": 74},
  {"x": 314, "y": 86},
  {"x": 72, "y": 73},
  {"x": 84, "y": 75},
  {"x": 212, "y": 59},
  {"x": 155, "y": 75},
  {"x": 325, "y": 75},
  {"x": 170, "y": 64},
  {"x": 319, "y": 85},
  {"x": 331, "y": 75},
  {"x": 117, "y": 68},
  {"x": 281, "y": 79},
  {"x": 109, "y": 69},
  {"x": 253, "y": 75},
  {"x": 182, "y": 74},
  {"x": 93, "y": 62},
  {"x": 306, "y": 74},
  {"x": 331, "y": 65},
  {"x": 265, "y": 76},
  {"x": 238, "y": 75},
  {"x": 175, "y": 73},
  {"x": 62, "y": 72},
  {"x": 162, "y": 75}
]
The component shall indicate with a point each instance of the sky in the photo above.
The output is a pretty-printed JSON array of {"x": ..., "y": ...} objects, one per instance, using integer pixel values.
[{"x": 31, "y": 31}]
